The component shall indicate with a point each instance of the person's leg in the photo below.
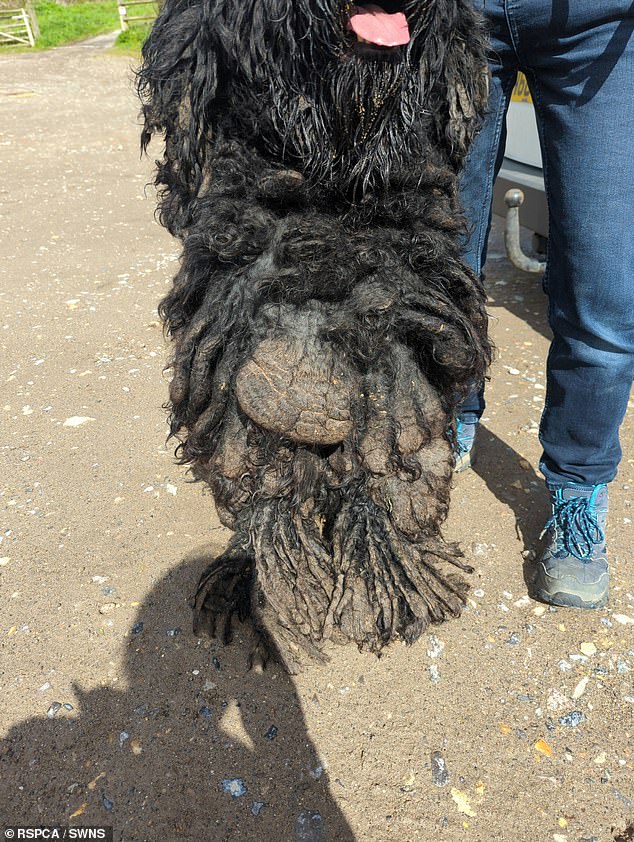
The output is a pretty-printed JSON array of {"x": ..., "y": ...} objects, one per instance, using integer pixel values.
[
  {"x": 486, "y": 154},
  {"x": 476, "y": 193},
  {"x": 579, "y": 58},
  {"x": 588, "y": 122}
]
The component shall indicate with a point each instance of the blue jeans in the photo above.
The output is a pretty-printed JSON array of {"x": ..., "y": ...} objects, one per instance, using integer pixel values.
[{"x": 578, "y": 57}]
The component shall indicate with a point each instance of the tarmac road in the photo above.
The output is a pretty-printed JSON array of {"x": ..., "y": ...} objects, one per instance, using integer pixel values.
[{"x": 514, "y": 722}]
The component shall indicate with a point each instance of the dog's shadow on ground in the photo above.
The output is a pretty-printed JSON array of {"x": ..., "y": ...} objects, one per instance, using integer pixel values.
[
  {"x": 193, "y": 718},
  {"x": 516, "y": 484}
]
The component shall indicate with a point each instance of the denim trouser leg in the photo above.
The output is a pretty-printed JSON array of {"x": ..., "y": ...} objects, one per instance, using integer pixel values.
[
  {"x": 478, "y": 176},
  {"x": 579, "y": 60},
  {"x": 587, "y": 128}
]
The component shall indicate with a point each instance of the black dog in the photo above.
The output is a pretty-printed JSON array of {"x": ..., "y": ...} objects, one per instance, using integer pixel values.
[{"x": 324, "y": 325}]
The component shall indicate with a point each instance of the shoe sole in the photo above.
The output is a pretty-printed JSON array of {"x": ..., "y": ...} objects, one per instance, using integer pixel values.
[
  {"x": 464, "y": 462},
  {"x": 569, "y": 600}
]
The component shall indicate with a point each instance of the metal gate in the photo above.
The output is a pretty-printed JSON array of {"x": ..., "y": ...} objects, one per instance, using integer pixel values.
[{"x": 15, "y": 27}]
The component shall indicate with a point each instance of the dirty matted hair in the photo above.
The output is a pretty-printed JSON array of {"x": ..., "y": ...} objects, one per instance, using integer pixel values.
[{"x": 324, "y": 325}]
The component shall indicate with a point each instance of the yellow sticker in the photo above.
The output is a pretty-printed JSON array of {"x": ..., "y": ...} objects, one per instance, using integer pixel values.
[{"x": 521, "y": 92}]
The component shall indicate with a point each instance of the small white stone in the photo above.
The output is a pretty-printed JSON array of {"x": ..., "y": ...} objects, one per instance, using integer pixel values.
[
  {"x": 557, "y": 700},
  {"x": 77, "y": 420},
  {"x": 436, "y": 646},
  {"x": 523, "y": 601},
  {"x": 580, "y": 689},
  {"x": 479, "y": 549}
]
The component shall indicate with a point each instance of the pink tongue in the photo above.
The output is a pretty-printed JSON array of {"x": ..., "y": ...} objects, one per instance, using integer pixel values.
[{"x": 378, "y": 27}]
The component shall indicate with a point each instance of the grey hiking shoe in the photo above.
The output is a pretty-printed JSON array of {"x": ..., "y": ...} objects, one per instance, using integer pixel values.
[
  {"x": 573, "y": 568},
  {"x": 464, "y": 453}
]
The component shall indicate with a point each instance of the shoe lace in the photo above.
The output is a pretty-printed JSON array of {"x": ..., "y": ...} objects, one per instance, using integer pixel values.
[
  {"x": 577, "y": 527},
  {"x": 463, "y": 439}
]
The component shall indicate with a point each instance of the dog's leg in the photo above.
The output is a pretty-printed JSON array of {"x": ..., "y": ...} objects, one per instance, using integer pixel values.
[
  {"x": 389, "y": 585},
  {"x": 224, "y": 590},
  {"x": 228, "y": 588},
  {"x": 295, "y": 581},
  {"x": 393, "y": 566}
]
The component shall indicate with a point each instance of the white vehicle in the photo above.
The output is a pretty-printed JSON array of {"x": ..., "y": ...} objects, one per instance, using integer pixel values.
[{"x": 520, "y": 182}]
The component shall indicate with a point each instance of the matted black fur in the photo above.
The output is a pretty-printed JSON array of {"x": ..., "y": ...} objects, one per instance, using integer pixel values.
[{"x": 324, "y": 325}]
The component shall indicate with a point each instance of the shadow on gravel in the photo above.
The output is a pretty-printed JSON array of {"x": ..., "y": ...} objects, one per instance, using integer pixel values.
[
  {"x": 517, "y": 485},
  {"x": 627, "y": 835},
  {"x": 194, "y": 747},
  {"x": 521, "y": 294}
]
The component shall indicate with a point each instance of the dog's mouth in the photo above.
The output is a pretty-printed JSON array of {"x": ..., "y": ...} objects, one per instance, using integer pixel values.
[{"x": 375, "y": 27}]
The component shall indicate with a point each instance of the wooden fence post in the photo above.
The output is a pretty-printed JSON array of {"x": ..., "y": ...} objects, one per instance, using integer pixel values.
[
  {"x": 35, "y": 27},
  {"x": 123, "y": 23}
]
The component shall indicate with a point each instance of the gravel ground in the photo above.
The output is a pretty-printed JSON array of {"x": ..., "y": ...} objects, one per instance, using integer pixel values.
[{"x": 515, "y": 722}]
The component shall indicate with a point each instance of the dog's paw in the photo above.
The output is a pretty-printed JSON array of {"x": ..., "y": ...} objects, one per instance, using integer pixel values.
[{"x": 223, "y": 591}]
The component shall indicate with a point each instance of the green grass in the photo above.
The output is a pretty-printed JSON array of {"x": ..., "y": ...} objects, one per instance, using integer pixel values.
[
  {"x": 68, "y": 24},
  {"x": 131, "y": 40},
  {"x": 65, "y": 24}
]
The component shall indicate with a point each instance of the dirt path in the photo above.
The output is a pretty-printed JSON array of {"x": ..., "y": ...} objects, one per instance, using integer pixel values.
[{"x": 114, "y": 713}]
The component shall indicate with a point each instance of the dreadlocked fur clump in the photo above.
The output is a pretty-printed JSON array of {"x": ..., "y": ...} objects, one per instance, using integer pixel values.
[{"x": 323, "y": 323}]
